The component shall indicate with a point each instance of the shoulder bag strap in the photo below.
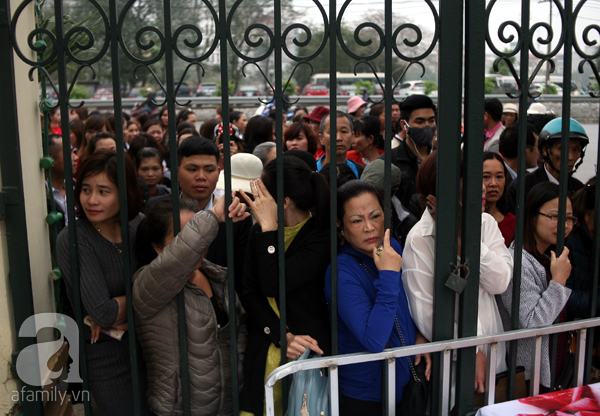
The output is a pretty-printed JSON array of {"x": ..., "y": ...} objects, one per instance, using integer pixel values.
[{"x": 410, "y": 364}]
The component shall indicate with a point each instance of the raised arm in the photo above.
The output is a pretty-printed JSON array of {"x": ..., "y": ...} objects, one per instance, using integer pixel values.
[{"x": 156, "y": 284}]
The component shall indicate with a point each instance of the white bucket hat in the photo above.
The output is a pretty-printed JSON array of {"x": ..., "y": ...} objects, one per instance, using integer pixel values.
[
  {"x": 245, "y": 167},
  {"x": 537, "y": 108}
]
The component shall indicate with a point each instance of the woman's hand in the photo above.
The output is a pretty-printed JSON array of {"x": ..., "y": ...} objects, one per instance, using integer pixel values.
[
  {"x": 560, "y": 267},
  {"x": 237, "y": 209},
  {"x": 264, "y": 207},
  {"x": 297, "y": 345},
  {"x": 422, "y": 340},
  {"x": 480, "y": 372},
  {"x": 387, "y": 259},
  {"x": 431, "y": 200},
  {"x": 95, "y": 329}
]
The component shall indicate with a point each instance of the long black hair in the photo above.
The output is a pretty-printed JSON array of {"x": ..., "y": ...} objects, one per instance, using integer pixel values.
[
  {"x": 537, "y": 196},
  {"x": 502, "y": 203},
  {"x": 306, "y": 188},
  {"x": 583, "y": 202},
  {"x": 156, "y": 226}
]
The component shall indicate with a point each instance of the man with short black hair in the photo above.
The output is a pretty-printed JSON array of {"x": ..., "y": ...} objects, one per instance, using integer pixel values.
[
  {"x": 198, "y": 174},
  {"x": 343, "y": 142},
  {"x": 509, "y": 148},
  {"x": 492, "y": 123},
  {"x": 418, "y": 120}
]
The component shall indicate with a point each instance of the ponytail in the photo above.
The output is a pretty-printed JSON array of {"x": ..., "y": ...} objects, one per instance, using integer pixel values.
[{"x": 296, "y": 176}]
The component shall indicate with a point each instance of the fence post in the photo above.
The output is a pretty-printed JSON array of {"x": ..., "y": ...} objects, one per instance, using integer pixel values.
[
  {"x": 472, "y": 183},
  {"x": 13, "y": 199},
  {"x": 448, "y": 183}
]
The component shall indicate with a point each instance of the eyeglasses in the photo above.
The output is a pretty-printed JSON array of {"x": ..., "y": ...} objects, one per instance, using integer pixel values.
[{"x": 554, "y": 218}]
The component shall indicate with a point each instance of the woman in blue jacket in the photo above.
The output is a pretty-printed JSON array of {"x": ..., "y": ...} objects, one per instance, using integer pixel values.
[{"x": 372, "y": 304}]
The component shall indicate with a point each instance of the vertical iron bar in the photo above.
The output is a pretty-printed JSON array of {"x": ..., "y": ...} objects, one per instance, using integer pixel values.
[
  {"x": 235, "y": 393},
  {"x": 564, "y": 160},
  {"x": 580, "y": 357},
  {"x": 595, "y": 272},
  {"x": 475, "y": 30},
  {"x": 520, "y": 198},
  {"x": 16, "y": 221},
  {"x": 63, "y": 99},
  {"x": 389, "y": 97},
  {"x": 123, "y": 211},
  {"x": 333, "y": 172},
  {"x": 450, "y": 103},
  {"x": 170, "y": 98},
  {"x": 278, "y": 96}
]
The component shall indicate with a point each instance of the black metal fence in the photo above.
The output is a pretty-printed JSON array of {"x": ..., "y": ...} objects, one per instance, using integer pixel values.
[{"x": 461, "y": 65}]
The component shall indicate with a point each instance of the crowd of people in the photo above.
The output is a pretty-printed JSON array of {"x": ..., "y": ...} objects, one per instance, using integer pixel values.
[{"x": 385, "y": 277}]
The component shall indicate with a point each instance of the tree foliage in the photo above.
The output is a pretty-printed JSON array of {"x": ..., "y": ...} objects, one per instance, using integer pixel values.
[
  {"x": 490, "y": 85},
  {"x": 503, "y": 68},
  {"x": 150, "y": 14},
  {"x": 345, "y": 63},
  {"x": 430, "y": 86}
]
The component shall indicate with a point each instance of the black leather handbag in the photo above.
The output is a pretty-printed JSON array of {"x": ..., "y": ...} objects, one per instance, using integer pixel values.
[{"x": 416, "y": 392}]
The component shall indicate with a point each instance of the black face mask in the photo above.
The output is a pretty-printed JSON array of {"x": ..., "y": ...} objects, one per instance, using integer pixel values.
[{"x": 422, "y": 136}]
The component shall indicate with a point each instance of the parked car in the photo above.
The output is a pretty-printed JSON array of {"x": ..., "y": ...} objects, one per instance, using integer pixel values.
[
  {"x": 184, "y": 90},
  {"x": 541, "y": 88},
  {"x": 411, "y": 88},
  {"x": 315, "y": 89},
  {"x": 249, "y": 91},
  {"x": 348, "y": 90},
  {"x": 206, "y": 89}
]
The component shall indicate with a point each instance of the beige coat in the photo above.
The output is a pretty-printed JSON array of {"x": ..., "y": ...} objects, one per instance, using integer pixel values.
[{"x": 155, "y": 289}]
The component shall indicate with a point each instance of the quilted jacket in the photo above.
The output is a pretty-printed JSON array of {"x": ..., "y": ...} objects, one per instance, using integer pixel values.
[{"x": 155, "y": 289}]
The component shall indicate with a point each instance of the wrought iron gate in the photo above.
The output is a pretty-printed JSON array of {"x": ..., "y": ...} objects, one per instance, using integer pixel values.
[{"x": 461, "y": 67}]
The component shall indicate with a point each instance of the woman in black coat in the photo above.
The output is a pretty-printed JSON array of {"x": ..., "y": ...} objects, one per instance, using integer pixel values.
[
  {"x": 581, "y": 244},
  {"x": 307, "y": 256}
]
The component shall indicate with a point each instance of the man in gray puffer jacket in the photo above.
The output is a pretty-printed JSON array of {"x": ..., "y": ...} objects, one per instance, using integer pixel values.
[{"x": 155, "y": 289}]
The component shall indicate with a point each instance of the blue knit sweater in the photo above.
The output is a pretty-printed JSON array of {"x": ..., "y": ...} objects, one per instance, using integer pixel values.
[{"x": 366, "y": 310}]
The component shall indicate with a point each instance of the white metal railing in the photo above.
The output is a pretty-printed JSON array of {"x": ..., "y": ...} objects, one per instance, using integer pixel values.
[{"x": 389, "y": 356}]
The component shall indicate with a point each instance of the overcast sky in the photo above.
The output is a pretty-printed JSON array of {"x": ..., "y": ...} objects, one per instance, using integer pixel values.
[{"x": 418, "y": 11}]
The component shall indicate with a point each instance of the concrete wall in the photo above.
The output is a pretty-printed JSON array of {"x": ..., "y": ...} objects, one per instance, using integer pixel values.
[{"x": 35, "y": 205}]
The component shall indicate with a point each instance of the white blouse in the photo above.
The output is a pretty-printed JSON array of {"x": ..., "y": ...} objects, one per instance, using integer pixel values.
[{"x": 496, "y": 267}]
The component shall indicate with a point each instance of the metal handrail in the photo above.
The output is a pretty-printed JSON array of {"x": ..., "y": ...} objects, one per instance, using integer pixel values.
[{"x": 446, "y": 347}]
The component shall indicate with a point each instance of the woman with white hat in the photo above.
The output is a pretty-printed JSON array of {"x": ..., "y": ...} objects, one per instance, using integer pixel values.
[{"x": 510, "y": 114}]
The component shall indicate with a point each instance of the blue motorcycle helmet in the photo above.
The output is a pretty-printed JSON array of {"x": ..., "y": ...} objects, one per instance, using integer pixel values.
[{"x": 552, "y": 132}]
